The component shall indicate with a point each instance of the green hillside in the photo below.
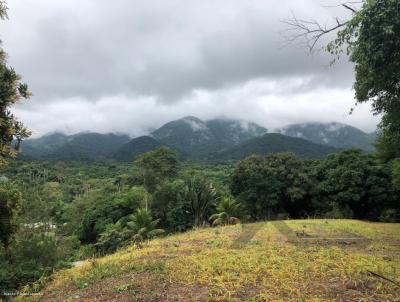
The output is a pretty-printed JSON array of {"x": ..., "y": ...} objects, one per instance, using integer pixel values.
[
  {"x": 332, "y": 134},
  {"x": 40, "y": 148},
  {"x": 80, "y": 146},
  {"x": 89, "y": 146},
  {"x": 274, "y": 142},
  {"x": 297, "y": 260},
  {"x": 135, "y": 147}
]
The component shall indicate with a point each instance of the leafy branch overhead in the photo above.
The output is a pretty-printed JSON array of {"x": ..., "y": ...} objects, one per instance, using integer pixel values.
[
  {"x": 12, "y": 90},
  {"x": 371, "y": 40}
]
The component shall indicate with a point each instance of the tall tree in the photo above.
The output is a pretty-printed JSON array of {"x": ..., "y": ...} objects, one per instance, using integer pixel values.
[
  {"x": 272, "y": 183},
  {"x": 156, "y": 166},
  {"x": 356, "y": 184},
  {"x": 396, "y": 174},
  {"x": 371, "y": 40},
  {"x": 9, "y": 205},
  {"x": 12, "y": 90},
  {"x": 202, "y": 198}
]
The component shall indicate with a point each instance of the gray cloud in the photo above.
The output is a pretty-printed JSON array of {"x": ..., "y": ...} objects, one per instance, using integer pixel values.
[
  {"x": 131, "y": 52},
  {"x": 148, "y": 47}
]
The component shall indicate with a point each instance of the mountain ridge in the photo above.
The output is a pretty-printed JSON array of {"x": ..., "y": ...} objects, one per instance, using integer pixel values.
[
  {"x": 272, "y": 143},
  {"x": 333, "y": 134},
  {"x": 80, "y": 146},
  {"x": 214, "y": 139}
]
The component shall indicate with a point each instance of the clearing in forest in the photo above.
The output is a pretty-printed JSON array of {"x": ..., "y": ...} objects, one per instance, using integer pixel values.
[{"x": 291, "y": 260}]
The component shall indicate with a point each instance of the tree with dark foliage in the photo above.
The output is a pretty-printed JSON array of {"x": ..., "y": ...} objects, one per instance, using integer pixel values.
[
  {"x": 9, "y": 206},
  {"x": 12, "y": 90},
  {"x": 272, "y": 184},
  {"x": 156, "y": 166},
  {"x": 352, "y": 184}
]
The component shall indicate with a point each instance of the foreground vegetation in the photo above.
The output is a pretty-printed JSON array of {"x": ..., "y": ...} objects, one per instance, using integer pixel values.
[
  {"x": 59, "y": 213},
  {"x": 293, "y": 260}
]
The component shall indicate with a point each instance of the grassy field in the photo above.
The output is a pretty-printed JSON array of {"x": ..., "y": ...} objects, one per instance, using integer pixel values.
[{"x": 295, "y": 260}]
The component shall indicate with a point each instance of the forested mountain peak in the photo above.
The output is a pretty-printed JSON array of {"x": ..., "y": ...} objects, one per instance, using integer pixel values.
[
  {"x": 234, "y": 131},
  {"x": 186, "y": 123},
  {"x": 197, "y": 137}
]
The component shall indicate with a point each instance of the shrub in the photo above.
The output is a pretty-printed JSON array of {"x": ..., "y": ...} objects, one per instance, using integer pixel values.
[{"x": 390, "y": 215}]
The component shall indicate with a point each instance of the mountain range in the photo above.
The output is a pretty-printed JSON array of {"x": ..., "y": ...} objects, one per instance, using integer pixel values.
[{"x": 218, "y": 139}]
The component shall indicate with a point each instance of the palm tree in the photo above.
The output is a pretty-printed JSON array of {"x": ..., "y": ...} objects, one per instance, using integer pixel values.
[
  {"x": 143, "y": 225},
  {"x": 227, "y": 208},
  {"x": 140, "y": 227},
  {"x": 202, "y": 197}
]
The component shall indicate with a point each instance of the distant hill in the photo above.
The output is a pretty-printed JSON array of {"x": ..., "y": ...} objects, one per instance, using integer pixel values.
[
  {"x": 89, "y": 146},
  {"x": 135, "y": 147},
  {"x": 81, "y": 146},
  {"x": 198, "y": 138},
  {"x": 274, "y": 142},
  {"x": 42, "y": 147},
  {"x": 332, "y": 134}
]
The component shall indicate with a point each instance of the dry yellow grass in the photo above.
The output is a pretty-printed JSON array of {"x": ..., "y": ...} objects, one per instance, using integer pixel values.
[{"x": 296, "y": 260}]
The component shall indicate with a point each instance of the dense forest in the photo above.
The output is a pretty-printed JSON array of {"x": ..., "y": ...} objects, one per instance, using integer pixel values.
[{"x": 62, "y": 212}]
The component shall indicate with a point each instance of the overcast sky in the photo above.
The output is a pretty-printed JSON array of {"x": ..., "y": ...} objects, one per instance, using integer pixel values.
[{"x": 131, "y": 65}]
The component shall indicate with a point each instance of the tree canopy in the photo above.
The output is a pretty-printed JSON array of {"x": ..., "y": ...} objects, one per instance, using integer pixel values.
[
  {"x": 12, "y": 90},
  {"x": 270, "y": 184},
  {"x": 9, "y": 206},
  {"x": 156, "y": 166},
  {"x": 372, "y": 37}
]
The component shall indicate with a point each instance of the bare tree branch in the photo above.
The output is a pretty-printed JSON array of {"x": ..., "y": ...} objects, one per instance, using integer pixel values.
[
  {"x": 307, "y": 32},
  {"x": 349, "y": 7}
]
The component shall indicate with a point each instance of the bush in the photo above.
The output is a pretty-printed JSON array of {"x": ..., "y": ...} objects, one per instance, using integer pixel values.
[
  {"x": 108, "y": 212},
  {"x": 390, "y": 215},
  {"x": 339, "y": 212},
  {"x": 34, "y": 255},
  {"x": 282, "y": 216},
  {"x": 86, "y": 251}
]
